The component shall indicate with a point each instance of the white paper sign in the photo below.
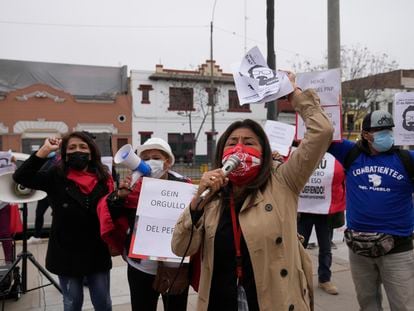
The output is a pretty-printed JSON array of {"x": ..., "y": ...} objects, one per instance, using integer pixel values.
[
  {"x": 160, "y": 204},
  {"x": 333, "y": 113},
  {"x": 404, "y": 119},
  {"x": 326, "y": 83},
  {"x": 153, "y": 239},
  {"x": 256, "y": 83},
  {"x": 316, "y": 196},
  {"x": 107, "y": 161},
  {"x": 6, "y": 164},
  {"x": 164, "y": 199},
  {"x": 280, "y": 136}
]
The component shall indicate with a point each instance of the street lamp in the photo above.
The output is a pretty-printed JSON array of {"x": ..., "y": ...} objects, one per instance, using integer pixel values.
[{"x": 211, "y": 92}]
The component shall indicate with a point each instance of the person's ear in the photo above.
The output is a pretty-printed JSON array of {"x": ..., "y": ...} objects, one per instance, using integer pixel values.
[
  {"x": 167, "y": 163},
  {"x": 366, "y": 135}
]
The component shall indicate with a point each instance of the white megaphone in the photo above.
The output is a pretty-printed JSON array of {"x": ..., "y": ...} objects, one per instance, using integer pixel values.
[
  {"x": 12, "y": 192},
  {"x": 126, "y": 157}
]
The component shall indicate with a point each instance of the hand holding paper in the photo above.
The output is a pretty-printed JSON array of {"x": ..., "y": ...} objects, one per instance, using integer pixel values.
[{"x": 256, "y": 83}]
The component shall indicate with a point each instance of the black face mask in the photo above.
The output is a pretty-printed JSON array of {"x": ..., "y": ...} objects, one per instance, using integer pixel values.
[{"x": 78, "y": 160}]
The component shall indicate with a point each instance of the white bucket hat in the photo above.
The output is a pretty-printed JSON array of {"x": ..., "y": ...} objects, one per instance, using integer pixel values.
[{"x": 158, "y": 144}]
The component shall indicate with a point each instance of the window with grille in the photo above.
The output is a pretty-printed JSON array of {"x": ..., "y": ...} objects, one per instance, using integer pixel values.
[
  {"x": 234, "y": 104},
  {"x": 181, "y": 98},
  {"x": 145, "y": 89}
]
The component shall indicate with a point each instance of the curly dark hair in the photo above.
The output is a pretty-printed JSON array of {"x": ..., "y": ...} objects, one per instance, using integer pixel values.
[
  {"x": 95, "y": 164},
  {"x": 266, "y": 168}
]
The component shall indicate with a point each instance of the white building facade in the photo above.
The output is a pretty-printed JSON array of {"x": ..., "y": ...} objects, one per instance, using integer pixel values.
[{"x": 175, "y": 106}]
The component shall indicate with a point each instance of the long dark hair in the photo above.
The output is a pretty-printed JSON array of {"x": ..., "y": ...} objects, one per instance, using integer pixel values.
[
  {"x": 95, "y": 164},
  {"x": 265, "y": 171}
]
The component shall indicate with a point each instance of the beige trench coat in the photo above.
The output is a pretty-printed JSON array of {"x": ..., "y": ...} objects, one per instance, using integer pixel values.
[{"x": 282, "y": 269}]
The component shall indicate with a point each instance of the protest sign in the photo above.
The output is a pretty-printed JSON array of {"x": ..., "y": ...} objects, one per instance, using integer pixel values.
[
  {"x": 316, "y": 196},
  {"x": 333, "y": 113},
  {"x": 256, "y": 83},
  {"x": 107, "y": 161},
  {"x": 280, "y": 136},
  {"x": 404, "y": 118},
  {"x": 326, "y": 83},
  {"x": 160, "y": 204},
  {"x": 6, "y": 164}
]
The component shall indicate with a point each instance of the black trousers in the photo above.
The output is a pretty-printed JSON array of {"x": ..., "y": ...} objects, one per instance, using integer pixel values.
[
  {"x": 41, "y": 208},
  {"x": 144, "y": 298},
  {"x": 323, "y": 234}
]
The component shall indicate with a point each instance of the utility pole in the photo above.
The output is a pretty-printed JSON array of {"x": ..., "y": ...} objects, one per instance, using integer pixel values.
[
  {"x": 271, "y": 57},
  {"x": 334, "y": 35},
  {"x": 211, "y": 92}
]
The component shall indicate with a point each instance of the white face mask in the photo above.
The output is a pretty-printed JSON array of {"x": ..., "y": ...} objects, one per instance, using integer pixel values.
[{"x": 157, "y": 168}]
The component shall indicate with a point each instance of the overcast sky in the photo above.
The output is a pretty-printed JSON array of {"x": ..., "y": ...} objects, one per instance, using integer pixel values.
[{"x": 175, "y": 33}]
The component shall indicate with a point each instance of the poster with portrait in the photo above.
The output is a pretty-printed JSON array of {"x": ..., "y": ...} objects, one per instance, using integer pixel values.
[
  {"x": 160, "y": 204},
  {"x": 256, "y": 83},
  {"x": 403, "y": 118}
]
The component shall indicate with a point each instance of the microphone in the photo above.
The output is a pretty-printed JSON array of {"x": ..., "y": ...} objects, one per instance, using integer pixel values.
[{"x": 231, "y": 163}]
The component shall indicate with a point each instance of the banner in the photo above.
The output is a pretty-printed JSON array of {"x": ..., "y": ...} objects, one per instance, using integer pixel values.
[
  {"x": 404, "y": 118},
  {"x": 256, "y": 83},
  {"x": 316, "y": 196},
  {"x": 160, "y": 204}
]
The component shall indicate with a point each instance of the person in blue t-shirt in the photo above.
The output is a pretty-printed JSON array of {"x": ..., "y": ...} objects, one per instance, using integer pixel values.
[{"x": 379, "y": 200}]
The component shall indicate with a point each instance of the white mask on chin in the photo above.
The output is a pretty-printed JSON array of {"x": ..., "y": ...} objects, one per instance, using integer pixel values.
[{"x": 157, "y": 168}]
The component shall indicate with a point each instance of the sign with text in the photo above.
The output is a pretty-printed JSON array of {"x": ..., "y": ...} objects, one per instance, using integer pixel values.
[
  {"x": 256, "y": 83},
  {"x": 326, "y": 83},
  {"x": 160, "y": 204},
  {"x": 6, "y": 165},
  {"x": 280, "y": 136},
  {"x": 107, "y": 161},
  {"x": 404, "y": 118},
  {"x": 333, "y": 113},
  {"x": 316, "y": 196}
]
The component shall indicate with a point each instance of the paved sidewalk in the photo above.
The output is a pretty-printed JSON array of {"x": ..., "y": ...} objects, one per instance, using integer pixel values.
[{"x": 49, "y": 299}]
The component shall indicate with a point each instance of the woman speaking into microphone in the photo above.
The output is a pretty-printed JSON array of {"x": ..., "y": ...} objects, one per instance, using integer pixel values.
[{"x": 246, "y": 232}]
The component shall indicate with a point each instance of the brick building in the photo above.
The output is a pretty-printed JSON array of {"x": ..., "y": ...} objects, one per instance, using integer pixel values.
[{"x": 39, "y": 100}]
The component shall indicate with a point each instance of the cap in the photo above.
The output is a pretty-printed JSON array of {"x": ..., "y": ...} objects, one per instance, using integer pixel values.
[
  {"x": 158, "y": 144},
  {"x": 377, "y": 119}
]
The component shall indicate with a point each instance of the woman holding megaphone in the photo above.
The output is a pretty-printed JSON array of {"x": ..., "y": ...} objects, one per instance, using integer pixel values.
[
  {"x": 74, "y": 187},
  {"x": 142, "y": 274}
]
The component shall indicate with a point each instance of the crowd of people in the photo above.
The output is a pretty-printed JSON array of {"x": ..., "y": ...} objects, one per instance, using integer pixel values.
[{"x": 242, "y": 228}]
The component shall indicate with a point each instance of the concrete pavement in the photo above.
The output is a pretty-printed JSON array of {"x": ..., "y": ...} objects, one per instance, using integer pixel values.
[{"x": 49, "y": 299}]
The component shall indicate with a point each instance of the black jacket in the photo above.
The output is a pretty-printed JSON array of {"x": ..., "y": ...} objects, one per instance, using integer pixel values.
[{"x": 75, "y": 247}]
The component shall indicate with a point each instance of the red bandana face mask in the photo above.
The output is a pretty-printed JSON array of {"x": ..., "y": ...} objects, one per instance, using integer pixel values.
[{"x": 250, "y": 164}]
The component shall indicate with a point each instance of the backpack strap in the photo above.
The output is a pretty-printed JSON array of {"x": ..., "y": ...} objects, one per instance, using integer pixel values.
[
  {"x": 407, "y": 161},
  {"x": 351, "y": 156}
]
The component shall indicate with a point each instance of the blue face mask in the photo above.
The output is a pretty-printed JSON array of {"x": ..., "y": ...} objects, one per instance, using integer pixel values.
[{"x": 383, "y": 140}]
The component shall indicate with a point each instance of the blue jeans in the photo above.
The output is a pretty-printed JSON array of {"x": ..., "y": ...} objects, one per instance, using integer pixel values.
[
  {"x": 305, "y": 224},
  {"x": 98, "y": 284}
]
